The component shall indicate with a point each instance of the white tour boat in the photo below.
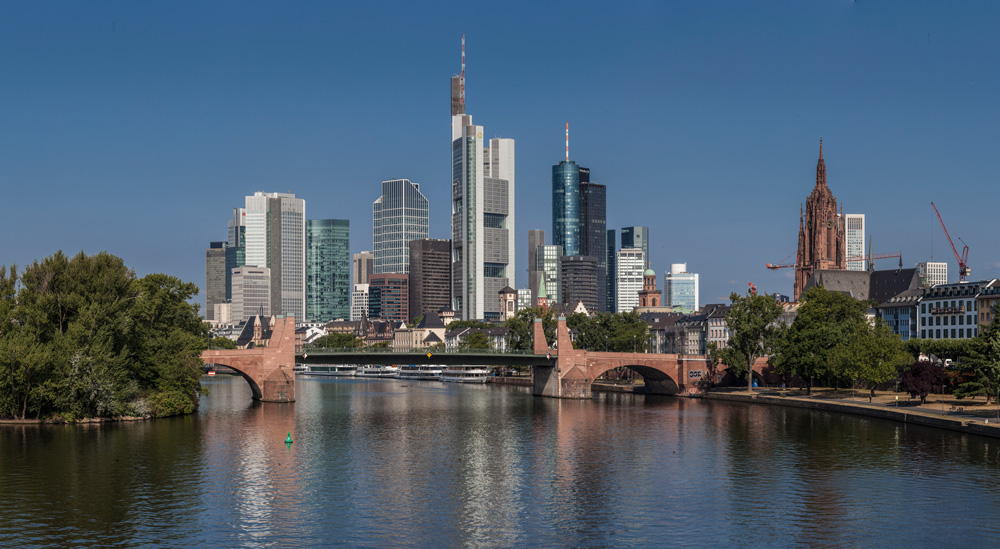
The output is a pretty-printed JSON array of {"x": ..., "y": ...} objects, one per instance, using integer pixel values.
[
  {"x": 376, "y": 370},
  {"x": 326, "y": 370},
  {"x": 423, "y": 371},
  {"x": 465, "y": 374}
]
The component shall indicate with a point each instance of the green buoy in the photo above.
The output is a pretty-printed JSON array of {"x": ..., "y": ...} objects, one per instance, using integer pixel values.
[{"x": 288, "y": 439}]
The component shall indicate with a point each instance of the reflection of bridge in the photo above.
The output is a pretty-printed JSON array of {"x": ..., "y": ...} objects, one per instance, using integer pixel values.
[{"x": 563, "y": 372}]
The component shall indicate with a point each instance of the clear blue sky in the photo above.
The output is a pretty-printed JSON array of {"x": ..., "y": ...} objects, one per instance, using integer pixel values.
[{"x": 135, "y": 127}]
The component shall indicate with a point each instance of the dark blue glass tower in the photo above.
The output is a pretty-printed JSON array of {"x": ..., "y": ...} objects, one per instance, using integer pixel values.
[{"x": 566, "y": 206}]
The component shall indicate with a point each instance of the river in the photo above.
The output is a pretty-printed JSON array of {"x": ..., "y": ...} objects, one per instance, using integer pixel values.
[{"x": 387, "y": 463}]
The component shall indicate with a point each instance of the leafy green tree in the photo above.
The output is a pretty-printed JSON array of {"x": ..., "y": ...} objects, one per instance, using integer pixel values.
[
  {"x": 521, "y": 328},
  {"x": 826, "y": 320},
  {"x": 474, "y": 324},
  {"x": 221, "y": 343},
  {"x": 953, "y": 349},
  {"x": 753, "y": 331},
  {"x": 982, "y": 364},
  {"x": 476, "y": 341},
  {"x": 874, "y": 355},
  {"x": 921, "y": 378},
  {"x": 337, "y": 341}
]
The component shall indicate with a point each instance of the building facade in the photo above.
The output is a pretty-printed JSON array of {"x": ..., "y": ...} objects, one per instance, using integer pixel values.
[
  {"x": 328, "y": 276},
  {"x": 393, "y": 292},
  {"x": 612, "y": 279},
  {"x": 649, "y": 296},
  {"x": 821, "y": 232},
  {"x": 987, "y": 302},
  {"x": 400, "y": 215},
  {"x": 951, "y": 311},
  {"x": 899, "y": 313},
  {"x": 251, "y": 292},
  {"x": 854, "y": 227},
  {"x": 578, "y": 278},
  {"x": 536, "y": 238},
  {"x": 637, "y": 237},
  {"x": 276, "y": 239},
  {"x": 430, "y": 276},
  {"x": 548, "y": 260},
  {"x": 932, "y": 273},
  {"x": 629, "y": 268},
  {"x": 482, "y": 218},
  {"x": 362, "y": 267},
  {"x": 359, "y": 302},
  {"x": 236, "y": 251},
  {"x": 215, "y": 277},
  {"x": 566, "y": 206},
  {"x": 680, "y": 288},
  {"x": 594, "y": 233}
]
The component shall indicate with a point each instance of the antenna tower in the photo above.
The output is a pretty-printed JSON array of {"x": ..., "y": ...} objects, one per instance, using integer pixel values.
[
  {"x": 567, "y": 142},
  {"x": 463, "y": 71}
]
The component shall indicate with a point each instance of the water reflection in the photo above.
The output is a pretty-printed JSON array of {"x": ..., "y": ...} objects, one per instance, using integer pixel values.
[{"x": 390, "y": 463}]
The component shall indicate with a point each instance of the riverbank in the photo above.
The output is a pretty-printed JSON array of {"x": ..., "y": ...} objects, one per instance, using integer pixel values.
[
  {"x": 967, "y": 416},
  {"x": 60, "y": 421}
]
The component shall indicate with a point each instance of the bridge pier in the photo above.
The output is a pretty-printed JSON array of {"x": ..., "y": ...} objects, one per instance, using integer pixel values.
[{"x": 267, "y": 369}]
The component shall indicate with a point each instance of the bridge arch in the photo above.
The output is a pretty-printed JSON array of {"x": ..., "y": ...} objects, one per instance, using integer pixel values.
[
  {"x": 655, "y": 380},
  {"x": 255, "y": 390}
]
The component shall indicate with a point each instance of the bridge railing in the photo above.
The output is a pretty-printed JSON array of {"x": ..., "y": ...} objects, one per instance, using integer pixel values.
[{"x": 413, "y": 350}]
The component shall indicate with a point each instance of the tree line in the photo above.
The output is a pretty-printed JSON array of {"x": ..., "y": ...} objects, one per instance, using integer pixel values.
[{"x": 83, "y": 337}]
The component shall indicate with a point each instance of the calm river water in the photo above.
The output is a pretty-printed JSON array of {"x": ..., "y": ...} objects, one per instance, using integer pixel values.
[{"x": 385, "y": 463}]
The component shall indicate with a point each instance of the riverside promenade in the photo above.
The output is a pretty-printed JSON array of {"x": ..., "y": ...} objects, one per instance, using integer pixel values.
[{"x": 946, "y": 412}]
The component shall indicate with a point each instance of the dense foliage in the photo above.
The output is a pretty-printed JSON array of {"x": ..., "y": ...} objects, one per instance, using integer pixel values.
[
  {"x": 754, "y": 330},
  {"x": 921, "y": 378},
  {"x": 981, "y": 365},
  {"x": 83, "y": 337},
  {"x": 521, "y": 326},
  {"x": 613, "y": 332},
  {"x": 338, "y": 341}
]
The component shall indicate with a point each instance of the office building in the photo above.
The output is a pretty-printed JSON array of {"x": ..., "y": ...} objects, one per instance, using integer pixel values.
[
  {"x": 359, "y": 302},
  {"x": 566, "y": 205},
  {"x": 951, "y": 311},
  {"x": 430, "y": 276},
  {"x": 854, "y": 225},
  {"x": 932, "y": 273},
  {"x": 637, "y": 237},
  {"x": 392, "y": 292},
  {"x": 548, "y": 261},
  {"x": 236, "y": 251},
  {"x": 579, "y": 281},
  {"x": 251, "y": 292},
  {"x": 398, "y": 216},
  {"x": 524, "y": 298},
  {"x": 482, "y": 214},
  {"x": 215, "y": 277},
  {"x": 630, "y": 264},
  {"x": 276, "y": 239},
  {"x": 680, "y": 288},
  {"x": 612, "y": 280},
  {"x": 536, "y": 238},
  {"x": 328, "y": 276},
  {"x": 362, "y": 267}
]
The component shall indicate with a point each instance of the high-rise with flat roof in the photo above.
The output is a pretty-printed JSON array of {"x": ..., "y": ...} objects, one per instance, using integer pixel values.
[
  {"x": 328, "y": 276},
  {"x": 251, "y": 292},
  {"x": 362, "y": 268},
  {"x": 215, "y": 277},
  {"x": 359, "y": 302},
  {"x": 629, "y": 269},
  {"x": 932, "y": 273},
  {"x": 482, "y": 213},
  {"x": 548, "y": 260},
  {"x": 393, "y": 294},
  {"x": 637, "y": 237},
  {"x": 536, "y": 238},
  {"x": 276, "y": 239},
  {"x": 593, "y": 232},
  {"x": 430, "y": 276},
  {"x": 855, "y": 239},
  {"x": 236, "y": 251},
  {"x": 612, "y": 281},
  {"x": 400, "y": 215},
  {"x": 578, "y": 274},
  {"x": 680, "y": 288}
]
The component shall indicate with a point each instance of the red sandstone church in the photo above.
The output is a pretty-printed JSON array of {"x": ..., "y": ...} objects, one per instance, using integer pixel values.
[{"x": 821, "y": 232}]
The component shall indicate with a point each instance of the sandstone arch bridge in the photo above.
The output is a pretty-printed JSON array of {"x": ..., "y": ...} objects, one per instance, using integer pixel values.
[{"x": 560, "y": 372}]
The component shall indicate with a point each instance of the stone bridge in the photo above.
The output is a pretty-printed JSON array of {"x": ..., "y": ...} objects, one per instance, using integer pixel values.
[
  {"x": 267, "y": 369},
  {"x": 571, "y": 372}
]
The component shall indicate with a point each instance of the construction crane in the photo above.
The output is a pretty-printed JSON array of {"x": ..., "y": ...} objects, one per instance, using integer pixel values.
[
  {"x": 753, "y": 289},
  {"x": 963, "y": 265},
  {"x": 870, "y": 258}
]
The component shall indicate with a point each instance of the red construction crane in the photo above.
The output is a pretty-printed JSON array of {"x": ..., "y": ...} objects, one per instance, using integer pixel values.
[
  {"x": 753, "y": 289},
  {"x": 963, "y": 265}
]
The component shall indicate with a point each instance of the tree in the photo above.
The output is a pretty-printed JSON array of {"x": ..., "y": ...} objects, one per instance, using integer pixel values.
[
  {"x": 476, "y": 340},
  {"x": 221, "y": 343},
  {"x": 982, "y": 364},
  {"x": 521, "y": 328},
  {"x": 613, "y": 332},
  {"x": 337, "y": 341},
  {"x": 474, "y": 324},
  {"x": 921, "y": 378},
  {"x": 753, "y": 330},
  {"x": 874, "y": 355},
  {"x": 826, "y": 320}
]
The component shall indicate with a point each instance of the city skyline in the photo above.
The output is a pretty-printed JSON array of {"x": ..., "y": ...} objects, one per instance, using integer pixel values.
[{"x": 732, "y": 116}]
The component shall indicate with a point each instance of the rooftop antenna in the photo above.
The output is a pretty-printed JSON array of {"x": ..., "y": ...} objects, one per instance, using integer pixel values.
[
  {"x": 567, "y": 142},
  {"x": 462, "y": 96}
]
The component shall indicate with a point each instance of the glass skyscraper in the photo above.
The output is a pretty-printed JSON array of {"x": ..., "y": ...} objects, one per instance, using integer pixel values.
[
  {"x": 328, "y": 269},
  {"x": 276, "y": 239},
  {"x": 398, "y": 216},
  {"x": 593, "y": 231},
  {"x": 612, "y": 281},
  {"x": 680, "y": 288},
  {"x": 637, "y": 237},
  {"x": 566, "y": 207}
]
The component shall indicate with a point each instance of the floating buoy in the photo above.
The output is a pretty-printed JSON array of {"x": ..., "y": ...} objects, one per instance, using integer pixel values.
[{"x": 288, "y": 439}]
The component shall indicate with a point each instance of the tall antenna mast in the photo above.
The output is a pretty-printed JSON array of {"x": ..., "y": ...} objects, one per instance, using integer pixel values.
[
  {"x": 463, "y": 71},
  {"x": 567, "y": 142}
]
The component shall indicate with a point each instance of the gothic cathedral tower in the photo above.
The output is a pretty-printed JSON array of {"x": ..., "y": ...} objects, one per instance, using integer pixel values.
[{"x": 821, "y": 231}]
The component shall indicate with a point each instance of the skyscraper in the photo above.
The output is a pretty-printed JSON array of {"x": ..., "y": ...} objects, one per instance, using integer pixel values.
[
  {"x": 363, "y": 265},
  {"x": 236, "y": 251},
  {"x": 593, "y": 232},
  {"x": 328, "y": 276},
  {"x": 680, "y": 288},
  {"x": 251, "y": 292},
  {"x": 215, "y": 277},
  {"x": 276, "y": 239},
  {"x": 932, "y": 273},
  {"x": 566, "y": 204},
  {"x": 637, "y": 237},
  {"x": 394, "y": 295},
  {"x": 482, "y": 213},
  {"x": 536, "y": 238},
  {"x": 430, "y": 276},
  {"x": 631, "y": 264},
  {"x": 612, "y": 280},
  {"x": 548, "y": 260},
  {"x": 821, "y": 231},
  {"x": 359, "y": 301},
  {"x": 855, "y": 239},
  {"x": 398, "y": 216}
]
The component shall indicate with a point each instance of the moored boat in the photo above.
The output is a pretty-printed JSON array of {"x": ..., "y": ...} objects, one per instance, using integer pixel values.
[
  {"x": 430, "y": 372},
  {"x": 465, "y": 374},
  {"x": 376, "y": 370},
  {"x": 327, "y": 370}
]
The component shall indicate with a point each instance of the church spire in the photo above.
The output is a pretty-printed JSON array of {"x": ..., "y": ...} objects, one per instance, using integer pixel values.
[{"x": 820, "y": 167}]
